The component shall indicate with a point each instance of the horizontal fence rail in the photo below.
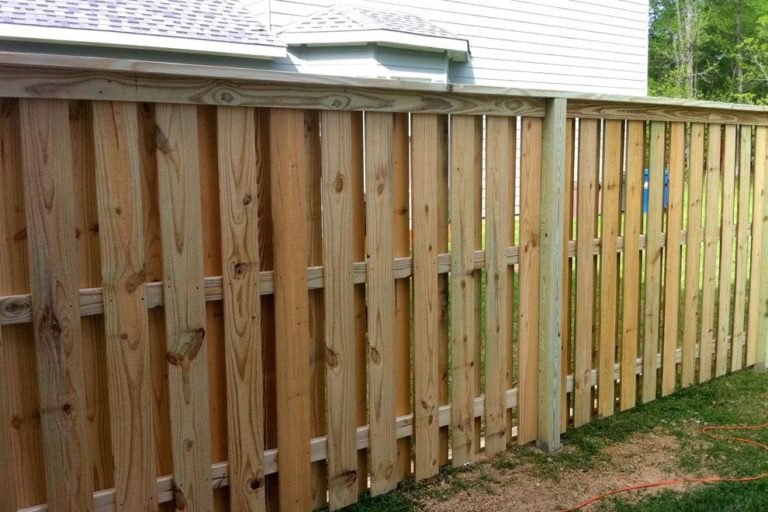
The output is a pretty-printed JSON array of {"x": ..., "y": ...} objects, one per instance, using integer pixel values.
[{"x": 237, "y": 292}]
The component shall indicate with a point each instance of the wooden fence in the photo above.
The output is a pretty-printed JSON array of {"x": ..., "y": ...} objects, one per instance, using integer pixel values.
[{"x": 234, "y": 293}]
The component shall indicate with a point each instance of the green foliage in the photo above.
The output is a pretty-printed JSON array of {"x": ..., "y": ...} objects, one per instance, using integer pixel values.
[{"x": 709, "y": 49}]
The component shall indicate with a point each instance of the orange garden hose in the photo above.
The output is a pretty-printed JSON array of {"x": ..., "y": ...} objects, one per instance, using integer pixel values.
[{"x": 685, "y": 480}]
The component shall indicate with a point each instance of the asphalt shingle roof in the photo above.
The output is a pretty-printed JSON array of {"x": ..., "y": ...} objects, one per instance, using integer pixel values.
[
  {"x": 343, "y": 18},
  {"x": 208, "y": 20}
]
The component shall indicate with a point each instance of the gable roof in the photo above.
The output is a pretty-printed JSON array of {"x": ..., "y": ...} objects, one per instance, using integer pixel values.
[
  {"x": 200, "y": 26},
  {"x": 345, "y": 24}
]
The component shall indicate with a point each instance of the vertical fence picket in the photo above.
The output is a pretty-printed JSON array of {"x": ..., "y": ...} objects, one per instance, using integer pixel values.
[
  {"x": 567, "y": 329},
  {"x": 118, "y": 178},
  {"x": 693, "y": 254},
  {"x": 500, "y": 191},
  {"x": 238, "y": 175},
  {"x": 379, "y": 247},
  {"x": 338, "y": 166},
  {"x": 653, "y": 260},
  {"x": 589, "y": 145},
  {"x": 402, "y": 249},
  {"x": 609, "y": 264},
  {"x": 726, "y": 252},
  {"x": 672, "y": 264},
  {"x": 528, "y": 337},
  {"x": 465, "y": 144},
  {"x": 48, "y": 191},
  {"x": 633, "y": 222},
  {"x": 742, "y": 246},
  {"x": 426, "y": 297},
  {"x": 290, "y": 181},
  {"x": 756, "y": 320},
  {"x": 184, "y": 295},
  {"x": 443, "y": 280},
  {"x": 18, "y": 385},
  {"x": 711, "y": 241}
]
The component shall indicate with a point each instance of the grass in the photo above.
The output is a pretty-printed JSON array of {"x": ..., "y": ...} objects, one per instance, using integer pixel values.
[{"x": 737, "y": 399}]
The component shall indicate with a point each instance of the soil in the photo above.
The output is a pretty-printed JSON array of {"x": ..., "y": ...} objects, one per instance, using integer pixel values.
[{"x": 640, "y": 459}]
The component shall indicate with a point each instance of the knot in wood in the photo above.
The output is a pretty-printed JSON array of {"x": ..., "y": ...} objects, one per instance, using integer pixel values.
[
  {"x": 184, "y": 358},
  {"x": 331, "y": 357},
  {"x": 136, "y": 279}
]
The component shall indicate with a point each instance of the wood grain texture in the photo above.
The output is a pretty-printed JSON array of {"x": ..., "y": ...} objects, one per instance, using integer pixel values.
[
  {"x": 17, "y": 350},
  {"x": 89, "y": 275},
  {"x": 672, "y": 270},
  {"x": 666, "y": 111},
  {"x": 123, "y": 267},
  {"x": 694, "y": 235},
  {"x": 238, "y": 189},
  {"x": 609, "y": 264},
  {"x": 711, "y": 243},
  {"x": 20, "y": 82},
  {"x": 338, "y": 167},
  {"x": 568, "y": 234},
  {"x": 499, "y": 210},
  {"x": 742, "y": 247},
  {"x": 553, "y": 175},
  {"x": 181, "y": 224},
  {"x": 401, "y": 228},
  {"x": 724, "y": 320},
  {"x": 530, "y": 225},
  {"x": 380, "y": 289},
  {"x": 756, "y": 323},
  {"x": 289, "y": 191},
  {"x": 653, "y": 260},
  {"x": 50, "y": 213},
  {"x": 426, "y": 298},
  {"x": 465, "y": 146},
  {"x": 589, "y": 136}
]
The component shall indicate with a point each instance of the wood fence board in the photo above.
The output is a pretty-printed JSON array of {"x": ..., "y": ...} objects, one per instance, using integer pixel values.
[
  {"x": 672, "y": 270},
  {"x": 357, "y": 186},
  {"x": 443, "y": 283},
  {"x": 426, "y": 298},
  {"x": 609, "y": 263},
  {"x": 17, "y": 353},
  {"x": 693, "y": 253},
  {"x": 402, "y": 248},
  {"x": 567, "y": 329},
  {"x": 500, "y": 192},
  {"x": 181, "y": 225},
  {"x": 465, "y": 141},
  {"x": 726, "y": 251},
  {"x": 761, "y": 166},
  {"x": 552, "y": 197},
  {"x": 711, "y": 242},
  {"x": 238, "y": 189},
  {"x": 589, "y": 136},
  {"x": 89, "y": 275},
  {"x": 290, "y": 182},
  {"x": 528, "y": 340},
  {"x": 121, "y": 230},
  {"x": 50, "y": 213},
  {"x": 653, "y": 260},
  {"x": 756, "y": 276},
  {"x": 380, "y": 288},
  {"x": 742, "y": 246},
  {"x": 338, "y": 166}
]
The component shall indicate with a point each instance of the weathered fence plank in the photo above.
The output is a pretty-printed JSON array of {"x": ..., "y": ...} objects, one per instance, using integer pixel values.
[
  {"x": 50, "y": 213},
  {"x": 726, "y": 252},
  {"x": 742, "y": 246},
  {"x": 693, "y": 254},
  {"x": 118, "y": 178},
  {"x": 756, "y": 322},
  {"x": 589, "y": 137},
  {"x": 672, "y": 269},
  {"x": 499, "y": 210},
  {"x": 379, "y": 247}
]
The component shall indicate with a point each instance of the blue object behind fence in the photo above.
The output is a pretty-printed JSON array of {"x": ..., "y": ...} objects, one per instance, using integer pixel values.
[{"x": 645, "y": 189}]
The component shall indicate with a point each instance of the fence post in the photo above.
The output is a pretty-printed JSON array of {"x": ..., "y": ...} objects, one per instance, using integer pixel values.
[{"x": 551, "y": 274}]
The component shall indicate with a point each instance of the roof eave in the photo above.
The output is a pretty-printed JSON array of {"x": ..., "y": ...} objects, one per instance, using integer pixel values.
[
  {"x": 457, "y": 49},
  {"x": 56, "y": 35}
]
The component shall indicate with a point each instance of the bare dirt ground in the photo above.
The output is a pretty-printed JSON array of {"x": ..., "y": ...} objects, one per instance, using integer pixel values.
[{"x": 504, "y": 487}]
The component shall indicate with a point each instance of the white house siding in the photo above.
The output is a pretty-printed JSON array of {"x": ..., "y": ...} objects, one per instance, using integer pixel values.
[{"x": 574, "y": 45}]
